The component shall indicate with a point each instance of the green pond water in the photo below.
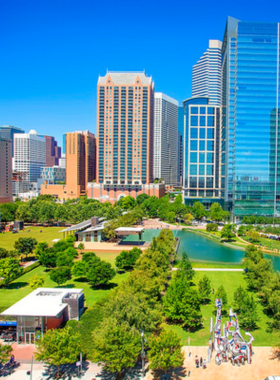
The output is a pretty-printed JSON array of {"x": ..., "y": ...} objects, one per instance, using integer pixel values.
[{"x": 200, "y": 248}]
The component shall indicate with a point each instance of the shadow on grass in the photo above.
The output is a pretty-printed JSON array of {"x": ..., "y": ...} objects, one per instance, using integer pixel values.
[
  {"x": 17, "y": 285},
  {"x": 65, "y": 286},
  {"x": 134, "y": 373},
  {"x": 81, "y": 279},
  {"x": 109, "y": 286}
]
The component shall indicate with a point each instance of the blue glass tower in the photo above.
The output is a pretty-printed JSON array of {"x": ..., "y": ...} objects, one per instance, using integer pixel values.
[{"x": 250, "y": 158}]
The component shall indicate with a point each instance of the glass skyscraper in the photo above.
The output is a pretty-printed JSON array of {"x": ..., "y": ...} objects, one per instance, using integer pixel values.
[{"x": 250, "y": 157}]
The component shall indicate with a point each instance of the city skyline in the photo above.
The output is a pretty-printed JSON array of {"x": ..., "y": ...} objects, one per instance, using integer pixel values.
[{"x": 53, "y": 84}]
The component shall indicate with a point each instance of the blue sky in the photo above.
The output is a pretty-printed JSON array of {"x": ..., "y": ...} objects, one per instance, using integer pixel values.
[{"x": 52, "y": 52}]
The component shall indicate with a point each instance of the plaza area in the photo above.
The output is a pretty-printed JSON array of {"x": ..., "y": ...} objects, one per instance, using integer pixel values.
[{"x": 262, "y": 366}]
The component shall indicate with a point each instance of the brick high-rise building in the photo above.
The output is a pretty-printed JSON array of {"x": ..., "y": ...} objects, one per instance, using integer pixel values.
[
  {"x": 80, "y": 166},
  {"x": 5, "y": 170},
  {"x": 125, "y": 137}
]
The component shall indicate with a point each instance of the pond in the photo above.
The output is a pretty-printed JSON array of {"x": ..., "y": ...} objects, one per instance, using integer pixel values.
[{"x": 200, "y": 248}]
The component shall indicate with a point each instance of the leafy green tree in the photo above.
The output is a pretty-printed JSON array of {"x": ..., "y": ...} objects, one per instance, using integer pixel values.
[
  {"x": 60, "y": 275},
  {"x": 117, "y": 346},
  {"x": 81, "y": 247},
  {"x": 22, "y": 212},
  {"x": 170, "y": 216},
  {"x": 8, "y": 211},
  {"x": 3, "y": 253},
  {"x": 141, "y": 198},
  {"x": 182, "y": 304},
  {"x": 37, "y": 281},
  {"x": 25, "y": 246},
  {"x": 198, "y": 210},
  {"x": 47, "y": 211},
  {"x": 216, "y": 212},
  {"x": 204, "y": 288},
  {"x": 241, "y": 231},
  {"x": 9, "y": 269},
  {"x": 165, "y": 351},
  {"x": 47, "y": 258},
  {"x": 135, "y": 309},
  {"x": 58, "y": 347},
  {"x": 79, "y": 269},
  {"x": 100, "y": 273},
  {"x": 253, "y": 235},
  {"x": 212, "y": 227},
  {"x": 221, "y": 293},
  {"x": 228, "y": 232},
  {"x": 5, "y": 352},
  {"x": 188, "y": 218},
  {"x": 40, "y": 248},
  {"x": 246, "y": 307},
  {"x": 127, "y": 259},
  {"x": 128, "y": 202},
  {"x": 63, "y": 259},
  {"x": 185, "y": 268}
]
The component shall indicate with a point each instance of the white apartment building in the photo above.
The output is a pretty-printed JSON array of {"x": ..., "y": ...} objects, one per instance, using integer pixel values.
[
  {"x": 5, "y": 170},
  {"x": 165, "y": 164},
  {"x": 29, "y": 155},
  {"x": 206, "y": 74}
]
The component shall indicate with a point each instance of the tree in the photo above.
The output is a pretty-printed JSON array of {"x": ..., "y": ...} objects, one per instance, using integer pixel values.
[
  {"x": 3, "y": 253},
  {"x": 25, "y": 246},
  {"x": 246, "y": 307},
  {"x": 165, "y": 351},
  {"x": 5, "y": 352},
  {"x": 47, "y": 258},
  {"x": 241, "y": 231},
  {"x": 100, "y": 273},
  {"x": 47, "y": 211},
  {"x": 127, "y": 259},
  {"x": 135, "y": 309},
  {"x": 141, "y": 198},
  {"x": 188, "y": 218},
  {"x": 204, "y": 288},
  {"x": 182, "y": 304},
  {"x": 37, "y": 282},
  {"x": 81, "y": 247},
  {"x": 198, "y": 210},
  {"x": 185, "y": 268},
  {"x": 9, "y": 269},
  {"x": 221, "y": 293},
  {"x": 63, "y": 259},
  {"x": 228, "y": 232},
  {"x": 128, "y": 202},
  {"x": 58, "y": 346},
  {"x": 253, "y": 235},
  {"x": 117, "y": 346},
  {"x": 41, "y": 248},
  {"x": 211, "y": 227},
  {"x": 216, "y": 212},
  {"x": 170, "y": 216},
  {"x": 60, "y": 275}
]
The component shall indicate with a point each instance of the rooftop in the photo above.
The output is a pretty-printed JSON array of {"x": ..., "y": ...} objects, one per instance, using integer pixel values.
[
  {"x": 125, "y": 77},
  {"x": 42, "y": 302}
]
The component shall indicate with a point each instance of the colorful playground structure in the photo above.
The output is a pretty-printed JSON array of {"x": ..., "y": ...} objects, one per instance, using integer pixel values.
[{"x": 228, "y": 341}]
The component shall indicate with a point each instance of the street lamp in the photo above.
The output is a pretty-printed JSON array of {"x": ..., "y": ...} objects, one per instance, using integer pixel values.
[{"x": 143, "y": 353}]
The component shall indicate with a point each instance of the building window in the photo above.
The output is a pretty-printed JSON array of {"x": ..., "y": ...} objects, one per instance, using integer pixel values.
[
  {"x": 193, "y": 157},
  {"x": 193, "y": 144},
  {"x": 194, "y": 133},
  {"x": 194, "y": 121}
]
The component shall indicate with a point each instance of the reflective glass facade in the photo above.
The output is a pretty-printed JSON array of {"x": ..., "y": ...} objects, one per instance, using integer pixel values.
[{"x": 250, "y": 154}]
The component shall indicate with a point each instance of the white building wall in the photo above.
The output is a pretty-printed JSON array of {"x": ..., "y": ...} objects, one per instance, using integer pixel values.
[
  {"x": 206, "y": 74},
  {"x": 29, "y": 154},
  {"x": 166, "y": 138}
]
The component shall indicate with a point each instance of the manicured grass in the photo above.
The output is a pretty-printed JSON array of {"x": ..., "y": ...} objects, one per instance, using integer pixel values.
[
  {"x": 48, "y": 234},
  {"x": 269, "y": 244},
  {"x": 215, "y": 265},
  {"x": 20, "y": 288},
  {"x": 230, "y": 281}
]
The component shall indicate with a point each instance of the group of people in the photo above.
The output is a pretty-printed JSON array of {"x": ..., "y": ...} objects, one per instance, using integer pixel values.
[{"x": 200, "y": 362}]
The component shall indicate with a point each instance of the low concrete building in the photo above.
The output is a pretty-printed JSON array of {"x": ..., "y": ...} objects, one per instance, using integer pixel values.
[{"x": 45, "y": 309}]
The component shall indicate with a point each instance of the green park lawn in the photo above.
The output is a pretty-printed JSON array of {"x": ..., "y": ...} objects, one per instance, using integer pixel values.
[
  {"x": 48, "y": 234},
  {"x": 20, "y": 287},
  {"x": 230, "y": 281}
]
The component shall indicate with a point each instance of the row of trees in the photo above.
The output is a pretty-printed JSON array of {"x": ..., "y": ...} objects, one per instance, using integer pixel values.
[
  {"x": 262, "y": 280},
  {"x": 45, "y": 210},
  {"x": 110, "y": 332},
  {"x": 260, "y": 220}
]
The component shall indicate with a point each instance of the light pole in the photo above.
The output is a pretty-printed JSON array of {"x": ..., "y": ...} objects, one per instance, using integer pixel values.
[{"x": 143, "y": 353}]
